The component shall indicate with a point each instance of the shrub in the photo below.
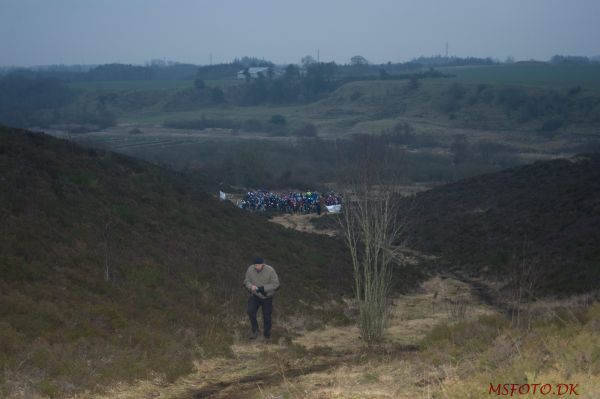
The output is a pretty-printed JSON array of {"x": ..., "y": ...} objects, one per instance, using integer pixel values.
[
  {"x": 199, "y": 84},
  {"x": 308, "y": 130},
  {"x": 512, "y": 97},
  {"x": 356, "y": 95},
  {"x": 125, "y": 213},
  {"x": 278, "y": 119},
  {"x": 252, "y": 125},
  {"x": 203, "y": 123},
  {"x": 217, "y": 95},
  {"x": 413, "y": 83},
  {"x": 136, "y": 130},
  {"x": 451, "y": 99},
  {"x": 456, "y": 91},
  {"x": 552, "y": 124},
  {"x": 446, "y": 341},
  {"x": 574, "y": 90}
]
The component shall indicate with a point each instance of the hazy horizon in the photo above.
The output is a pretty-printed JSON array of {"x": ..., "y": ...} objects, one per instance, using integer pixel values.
[{"x": 71, "y": 32}]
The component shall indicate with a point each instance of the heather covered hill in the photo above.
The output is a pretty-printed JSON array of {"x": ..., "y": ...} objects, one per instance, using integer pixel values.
[
  {"x": 546, "y": 213},
  {"x": 112, "y": 268}
]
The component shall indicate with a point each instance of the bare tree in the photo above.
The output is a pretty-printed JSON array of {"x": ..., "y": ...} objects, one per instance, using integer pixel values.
[
  {"x": 371, "y": 225},
  {"x": 522, "y": 281},
  {"x": 108, "y": 224}
]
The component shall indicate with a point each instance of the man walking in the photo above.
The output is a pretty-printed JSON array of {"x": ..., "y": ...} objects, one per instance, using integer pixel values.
[{"x": 262, "y": 282}]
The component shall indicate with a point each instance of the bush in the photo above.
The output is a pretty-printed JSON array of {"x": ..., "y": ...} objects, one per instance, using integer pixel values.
[
  {"x": 451, "y": 99},
  {"x": 199, "y": 84},
  {"x": 204, "y": 123},
  {"x": 136, "y": 130},
  {"x": 553, "y": 124},
  {"x": 456, "y": 91},
  {"x": 252, "y": 125},
  {"x": 413, "y": 83},
  {"x": 217, "y": 95},
  {"x": 278, "y": 120},
  {"x": 403, "y": 134},
  {"x": 574, "y": 90},
  {"x": 308, "y": 130},
  {"x": 356, "y": 95}
]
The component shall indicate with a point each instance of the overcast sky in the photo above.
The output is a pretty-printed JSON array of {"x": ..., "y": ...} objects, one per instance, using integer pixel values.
[{"x": 35, "y": 32}]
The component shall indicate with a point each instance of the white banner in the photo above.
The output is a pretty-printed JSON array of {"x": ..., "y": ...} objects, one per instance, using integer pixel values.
[{"x": 334, "y": 208}]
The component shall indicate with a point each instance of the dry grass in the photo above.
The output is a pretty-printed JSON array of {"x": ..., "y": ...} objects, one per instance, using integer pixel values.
[
  {"x": 301, "y": 223},
  {"x": 482, "y": 348},
  {"x": 174, "y": 277}
]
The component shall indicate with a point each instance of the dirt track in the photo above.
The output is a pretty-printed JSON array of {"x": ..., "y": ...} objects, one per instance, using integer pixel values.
[
  {"x": 327, "y": 362},
  {"x": 301, "y": 223}
]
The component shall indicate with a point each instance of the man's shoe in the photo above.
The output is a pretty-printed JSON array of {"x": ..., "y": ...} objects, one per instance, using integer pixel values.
[{"x": 253, "y": 335}]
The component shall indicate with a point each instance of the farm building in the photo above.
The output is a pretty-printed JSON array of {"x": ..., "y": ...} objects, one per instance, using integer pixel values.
[{"x": 253, "y": 72}]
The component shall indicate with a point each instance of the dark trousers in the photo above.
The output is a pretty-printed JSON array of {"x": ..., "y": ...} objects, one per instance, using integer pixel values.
[{"x": 254, "y": 303}]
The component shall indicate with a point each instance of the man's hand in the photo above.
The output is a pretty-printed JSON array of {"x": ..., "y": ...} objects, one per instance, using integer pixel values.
[{"x": 254, "y": 288}]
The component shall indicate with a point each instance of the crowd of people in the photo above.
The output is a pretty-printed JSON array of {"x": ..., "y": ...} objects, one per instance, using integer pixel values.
[{"x": 294, "y": 202}]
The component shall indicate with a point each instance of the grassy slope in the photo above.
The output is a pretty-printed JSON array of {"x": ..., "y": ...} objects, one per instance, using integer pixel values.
[
  {"x": 177, "y": 257},
  {"x": 544, "y": 118},
  {"x": 530, "y": 75},
  {"x": 552, "y": 208},
  {"x": 123, "y": 85},
  {"x": 370, "y": 106},
  {"x": 559, "y": 343}
]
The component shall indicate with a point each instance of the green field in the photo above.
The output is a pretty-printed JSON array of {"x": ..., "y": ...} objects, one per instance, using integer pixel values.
[
  {"x": 121, "y": 85},
  {"x": 542, "y": 75},
  {"x": 112, "y": 85},
  {"x": 501, "y": 115}
]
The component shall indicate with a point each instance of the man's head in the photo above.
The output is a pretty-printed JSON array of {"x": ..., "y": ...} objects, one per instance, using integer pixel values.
[{"x": 258, "y": 263}]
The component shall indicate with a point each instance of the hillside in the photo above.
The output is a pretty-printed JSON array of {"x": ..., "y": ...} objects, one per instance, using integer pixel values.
[
  {"x": 546, "y": 214},
  {"x": 114, "y": 269}
]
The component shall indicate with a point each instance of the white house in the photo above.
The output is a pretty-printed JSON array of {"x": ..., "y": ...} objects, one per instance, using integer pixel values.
[{"x": 253, "y": 72}]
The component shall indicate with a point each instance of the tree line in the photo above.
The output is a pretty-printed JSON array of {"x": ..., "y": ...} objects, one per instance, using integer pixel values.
[{"x": 40, "y": 101}]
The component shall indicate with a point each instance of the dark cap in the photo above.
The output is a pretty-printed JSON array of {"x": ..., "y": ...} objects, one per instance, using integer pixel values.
[{"x": 258, "y": 261}]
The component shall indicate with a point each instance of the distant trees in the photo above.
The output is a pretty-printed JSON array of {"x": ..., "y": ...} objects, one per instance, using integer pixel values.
[
  {"x": 358, "y": 61},
  {"x": 41, "y": 101},
  {"x": 307, "y": 130},
  {"x": 569, "y": 59},
  {"x": 257, "y": 90},
  {"x": 292, "y": 85},
  {"x": 120, "y": 72},
  {"x": 199, "y": 84},
  {"x": 452, "y": 96},
  {"x": 552, "y": 125},
  {"x": 217, "y": 95},
  {"x": 28, "y": 100},
  {"x": 439, "y": 60},
  {"x": 218, "y": 71},
  {"x": 319, "y": 78},
  {"x": 278, "y": 119},
  {"x": 413, "y": 82},
  {"x": 459, "y": 149},
  {"x": 249, "y": 62},
  {"x": 307, "y": 60}
]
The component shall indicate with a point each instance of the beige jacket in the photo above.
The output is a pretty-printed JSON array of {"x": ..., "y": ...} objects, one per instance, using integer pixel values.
[{"x": 266, "y": 278}]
